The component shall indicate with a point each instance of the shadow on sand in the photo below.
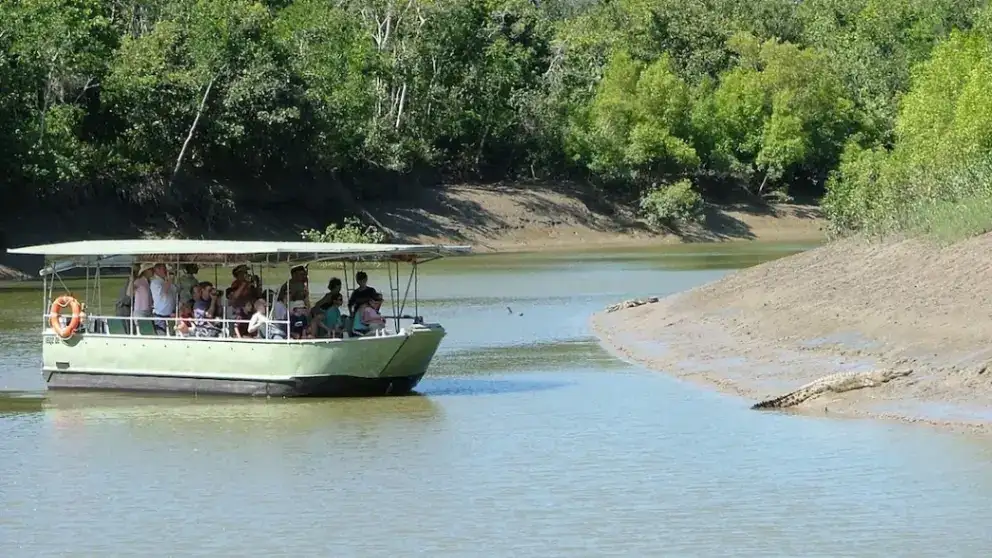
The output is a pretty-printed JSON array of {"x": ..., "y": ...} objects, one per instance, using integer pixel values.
[
  {"x": 442, "y": 212},
  {"x": 718, "y": 224}
]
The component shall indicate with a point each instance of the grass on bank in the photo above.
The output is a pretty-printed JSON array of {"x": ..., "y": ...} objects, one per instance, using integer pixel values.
[
  {"x": 878, "y": 196},
  {"x": 942, "y": 221},
  {"x": 951, "y": 221}
]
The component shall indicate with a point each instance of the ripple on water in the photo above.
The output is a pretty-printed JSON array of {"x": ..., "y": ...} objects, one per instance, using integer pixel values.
[{"x": 527, "y": 440}]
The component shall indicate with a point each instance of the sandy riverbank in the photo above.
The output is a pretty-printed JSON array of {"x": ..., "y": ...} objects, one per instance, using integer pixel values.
[
  {"x": 849, "y": 305},
  {"x": 540, "y": 217},
  {"x": 491, "y": 217}
]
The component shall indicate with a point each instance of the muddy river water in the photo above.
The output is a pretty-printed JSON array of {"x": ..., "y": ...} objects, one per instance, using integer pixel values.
[{"x": 527, "y": 439}]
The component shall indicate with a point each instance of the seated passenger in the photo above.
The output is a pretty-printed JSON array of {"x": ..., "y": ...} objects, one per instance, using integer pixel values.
[
  {"x": 333, "y": 320},
  {"x": 242, "y": 313},
  {"x": 184, "y": 328},
  {"x": 367, "y": 318},
  {"x": 329, "y": 324},
  {"x": 261, "y": 325},
  {"x": 299, "y": 320},
  {"x": 361, "y": 294},
  {"x": 229, "y": 302},
  {"x": 230, "y": 306},
  {"x": 333, "y": 288},
  {"x": 205, "y": 312},
  {"x": 318, "y": 330},
  {"x": 280, "y": 313}
]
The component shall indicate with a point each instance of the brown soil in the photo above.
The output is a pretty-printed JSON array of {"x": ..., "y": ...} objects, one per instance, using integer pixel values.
[
  {"x": 11, "y": 274},
  {"x": 852, "y": 304},
  {"x": 553, "y": 216},
  {"x": 504, "y": 217}
]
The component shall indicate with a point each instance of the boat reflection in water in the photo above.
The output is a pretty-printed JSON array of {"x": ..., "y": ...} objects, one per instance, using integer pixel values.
[{"x": 183, "y": 416}]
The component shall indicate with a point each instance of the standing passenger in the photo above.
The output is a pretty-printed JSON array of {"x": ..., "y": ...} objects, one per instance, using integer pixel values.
[
  {"x": 298, "y": 287},
  {"x": 187, "y": 281},
  {"x": 361, "y": 294},
  {"x": 206, "y": 310},
  {"x": 140, "y": 290},
  {"x": 164, "y": 293}
]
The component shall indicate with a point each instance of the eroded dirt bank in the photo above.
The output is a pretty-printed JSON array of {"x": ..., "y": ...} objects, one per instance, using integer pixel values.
[
  {"x": 849, "y": 305},
  {"x": 533, "y": 217},
  {"x": 491, "y": 217}
]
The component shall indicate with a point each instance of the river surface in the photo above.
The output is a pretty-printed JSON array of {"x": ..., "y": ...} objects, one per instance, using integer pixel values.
[{"x": 527, "y": 439}]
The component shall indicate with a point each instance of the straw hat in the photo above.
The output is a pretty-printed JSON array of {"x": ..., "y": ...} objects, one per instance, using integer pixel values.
[{"x": 145, "y": 267}]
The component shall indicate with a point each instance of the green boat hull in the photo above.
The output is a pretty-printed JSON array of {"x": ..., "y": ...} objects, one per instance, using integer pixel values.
[{"x": 386, "y": 365}]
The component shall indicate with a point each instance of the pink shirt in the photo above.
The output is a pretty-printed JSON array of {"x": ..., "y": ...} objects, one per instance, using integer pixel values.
[
  {"x": 142, "y": 295},
  {"x": 371, "y": 316}
]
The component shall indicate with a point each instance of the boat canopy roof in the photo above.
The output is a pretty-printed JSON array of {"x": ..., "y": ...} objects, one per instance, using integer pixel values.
[{"x": 113, "y": 253}]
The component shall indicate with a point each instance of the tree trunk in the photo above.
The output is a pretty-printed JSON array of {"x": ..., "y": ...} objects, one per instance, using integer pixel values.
[
  {"x": 399, "y": 111},
  {"x": 192, "y": 129},
  {"x": 45, "y": 99}
]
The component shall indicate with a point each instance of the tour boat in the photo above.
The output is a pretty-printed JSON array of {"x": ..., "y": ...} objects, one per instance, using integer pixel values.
[{"x": 97, "y": 350}]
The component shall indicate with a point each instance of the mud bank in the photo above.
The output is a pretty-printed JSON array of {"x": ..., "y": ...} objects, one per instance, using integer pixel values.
[
  {"x": 11, "y": 274},
  {"x": 539, "y": 217},
  {"x": 850, "y": 305},
  {"x": 491, "y": 217}
]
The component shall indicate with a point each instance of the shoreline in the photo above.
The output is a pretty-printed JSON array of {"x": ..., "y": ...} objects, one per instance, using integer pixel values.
[
  {"x": 554, "y": 217},
  {"x": 850, "y": 305},
  {"x": 499, "y": 217}
]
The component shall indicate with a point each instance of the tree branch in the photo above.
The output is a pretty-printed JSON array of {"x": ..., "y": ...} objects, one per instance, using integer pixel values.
[
  {"x": 192, "y": 128},
  {"x": 399, "y": 111}
]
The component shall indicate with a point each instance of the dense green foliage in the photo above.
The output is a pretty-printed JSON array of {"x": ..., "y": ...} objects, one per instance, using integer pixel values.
[
  {"x": 350, "y": 231},
  {"x": 672, "y": 205},
  {"x": 937, "y": 177},
  {"x": 199, "y": 105}
]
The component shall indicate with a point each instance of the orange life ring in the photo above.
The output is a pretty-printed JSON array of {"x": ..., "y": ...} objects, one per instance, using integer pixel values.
[{"x": 55, "y": 313}]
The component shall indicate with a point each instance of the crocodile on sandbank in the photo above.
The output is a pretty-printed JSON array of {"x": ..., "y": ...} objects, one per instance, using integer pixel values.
[
  {"x": 836, "y": 383},
  {"x": 630, "y": 304}
]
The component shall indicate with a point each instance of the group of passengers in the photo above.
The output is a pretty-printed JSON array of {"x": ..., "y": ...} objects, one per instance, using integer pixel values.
[{"x": 198, "y": 308}]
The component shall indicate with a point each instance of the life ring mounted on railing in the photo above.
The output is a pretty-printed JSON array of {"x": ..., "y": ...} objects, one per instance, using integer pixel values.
[{"x": 56, "y": 312}]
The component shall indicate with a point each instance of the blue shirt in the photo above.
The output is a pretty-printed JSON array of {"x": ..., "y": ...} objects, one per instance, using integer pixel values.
[{"x": 332, "y": 318}]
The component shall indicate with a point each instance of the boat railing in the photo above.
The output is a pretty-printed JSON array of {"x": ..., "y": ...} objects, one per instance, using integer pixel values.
[{"x": 225, "y": 327}]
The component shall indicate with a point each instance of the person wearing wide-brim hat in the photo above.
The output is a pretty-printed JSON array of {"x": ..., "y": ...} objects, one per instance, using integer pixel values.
[{"x": 140, "y": 291}]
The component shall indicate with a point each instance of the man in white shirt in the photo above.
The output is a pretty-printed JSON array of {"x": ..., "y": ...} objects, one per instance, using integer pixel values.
[{"x": 164, "y": 293}]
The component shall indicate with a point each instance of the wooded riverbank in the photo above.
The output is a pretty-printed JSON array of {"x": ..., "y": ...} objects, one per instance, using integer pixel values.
[{"x": 503, "y": 217}]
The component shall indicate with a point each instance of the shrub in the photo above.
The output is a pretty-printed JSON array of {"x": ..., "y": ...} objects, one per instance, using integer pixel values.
[
  {"x": 960, "y": 208},
  {"x": 352, "y": 231},
  {"x": 672, "y": 205},
  {"x": 874, "y": 193}
]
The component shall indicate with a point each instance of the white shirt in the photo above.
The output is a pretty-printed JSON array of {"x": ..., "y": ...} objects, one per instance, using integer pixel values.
[
  {"x": 257, "y": 322},
  {"x": 163, "y": 301},
  {"x": 279, "y": 312}
]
